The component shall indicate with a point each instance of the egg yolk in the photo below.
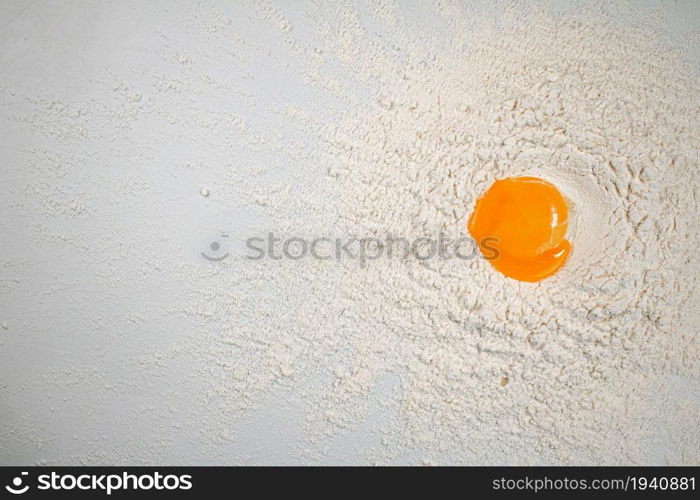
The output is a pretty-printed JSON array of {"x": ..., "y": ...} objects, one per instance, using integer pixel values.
[{"x": 520, "y": 226}]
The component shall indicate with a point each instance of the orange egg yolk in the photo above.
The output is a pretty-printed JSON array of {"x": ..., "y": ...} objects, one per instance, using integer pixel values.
[{"x": 520, "y": 226}]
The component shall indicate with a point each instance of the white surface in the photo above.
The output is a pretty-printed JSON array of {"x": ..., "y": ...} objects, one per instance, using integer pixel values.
[{"x": 113, "y": 117}]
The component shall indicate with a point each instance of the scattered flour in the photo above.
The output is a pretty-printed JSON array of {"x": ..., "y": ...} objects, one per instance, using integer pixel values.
[
  {"x": 491, "y": 370},
  {"x": 447, "y": 360}
]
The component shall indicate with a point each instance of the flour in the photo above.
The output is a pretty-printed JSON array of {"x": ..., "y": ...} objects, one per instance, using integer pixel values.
[
  {"x": 163, "y": 139},
  {"x": 491, "y": 370}
]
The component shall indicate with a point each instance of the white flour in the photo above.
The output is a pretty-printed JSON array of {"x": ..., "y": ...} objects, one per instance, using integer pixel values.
[
  {"x": 396, "y": 130},
  {"x": 491, "y": 370}
]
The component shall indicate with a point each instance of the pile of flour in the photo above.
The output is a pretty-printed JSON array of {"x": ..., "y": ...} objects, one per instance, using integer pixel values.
[{"x": 478, "y": 368}]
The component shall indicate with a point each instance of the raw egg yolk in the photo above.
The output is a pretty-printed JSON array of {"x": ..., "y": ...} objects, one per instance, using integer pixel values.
[{"x": 520, "y": 226}]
